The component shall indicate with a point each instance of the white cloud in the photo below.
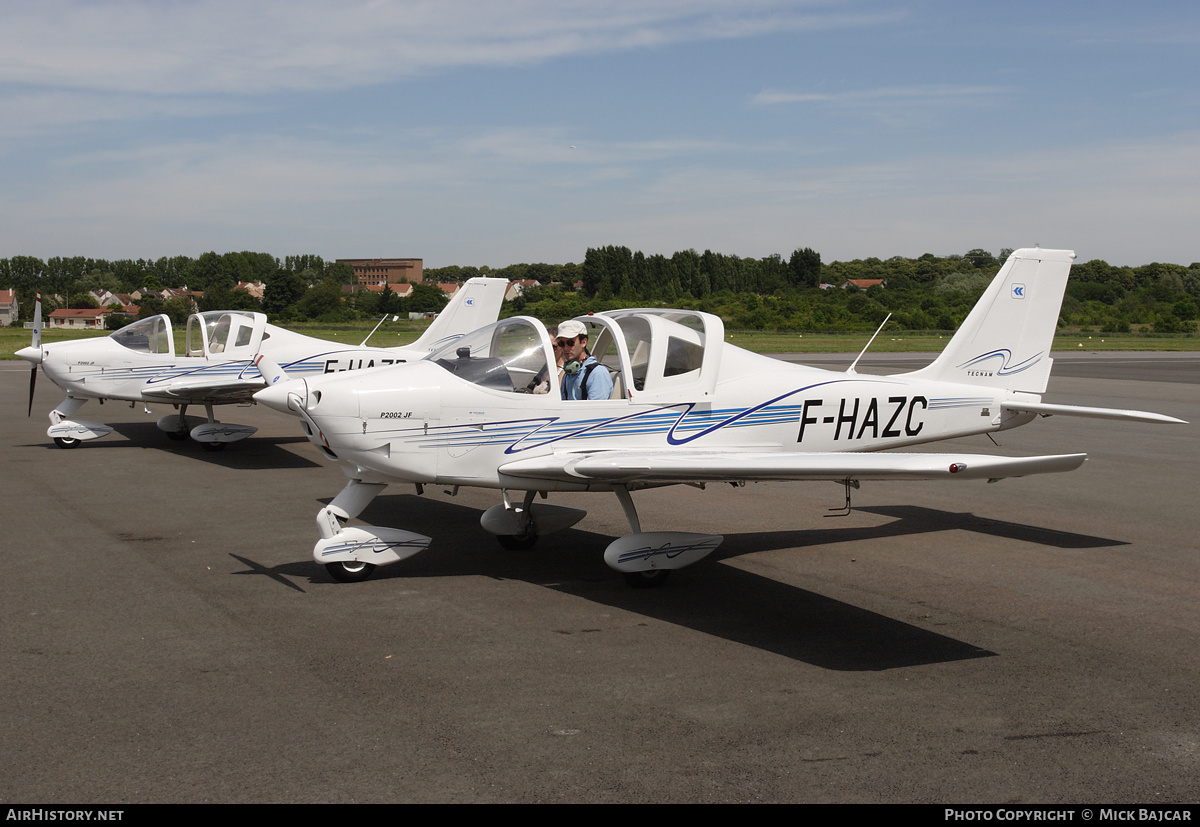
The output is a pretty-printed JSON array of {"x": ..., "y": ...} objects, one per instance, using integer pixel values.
[
  {"x": 228, "y": 46},
  {"x": 888, "y": 95}
]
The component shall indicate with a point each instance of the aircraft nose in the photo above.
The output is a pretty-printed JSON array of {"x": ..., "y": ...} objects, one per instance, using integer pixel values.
[
  {"x": 276, "y": 396},
  {"x": 30, "y": 354}
]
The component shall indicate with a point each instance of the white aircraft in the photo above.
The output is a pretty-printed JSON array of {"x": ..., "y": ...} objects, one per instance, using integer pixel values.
[
  {"x": 686, "y": 407},
  {"x": 138, "y": 363}
]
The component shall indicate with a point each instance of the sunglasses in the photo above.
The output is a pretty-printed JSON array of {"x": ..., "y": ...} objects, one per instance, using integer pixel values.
[{"x": 565, "y": 342}]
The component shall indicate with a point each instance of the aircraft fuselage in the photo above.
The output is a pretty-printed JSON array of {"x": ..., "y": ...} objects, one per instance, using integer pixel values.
[{"x": 415, "y": 423}]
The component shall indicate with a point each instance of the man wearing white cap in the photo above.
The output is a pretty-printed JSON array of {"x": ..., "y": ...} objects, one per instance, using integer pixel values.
[{"x": 583, "y": 376}]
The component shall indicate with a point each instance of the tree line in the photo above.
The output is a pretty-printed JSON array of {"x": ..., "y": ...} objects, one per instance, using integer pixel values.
[
  {"x": 924, "y": 293},
  {"x": 773, "y": 292}
]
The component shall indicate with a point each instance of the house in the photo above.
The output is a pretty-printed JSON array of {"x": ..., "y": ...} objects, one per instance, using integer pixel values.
[
  {"x": 106, "y": 298},
  {"x": 401, "y": 290},
  {"x": 189, "y": 296},
  {"x": 518, "y": 286},
  {"x": 862, "y": 284},
  {"x": 9, "y": 308},
  {"x": 79, "y": 318},
  {"x": 254, "y": 288}
]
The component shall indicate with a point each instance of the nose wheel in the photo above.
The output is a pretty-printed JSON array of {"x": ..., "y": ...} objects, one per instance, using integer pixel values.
[{"x": 350, "y": 571}]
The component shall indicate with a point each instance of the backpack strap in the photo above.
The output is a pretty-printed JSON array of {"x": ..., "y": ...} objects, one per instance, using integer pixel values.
[{"x": 587, "y": 371}]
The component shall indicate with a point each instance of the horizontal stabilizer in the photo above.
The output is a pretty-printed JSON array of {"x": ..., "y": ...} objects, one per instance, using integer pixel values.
[
  {"x": 623, "y": 467},
  {"x": 1095, "y": 413}
]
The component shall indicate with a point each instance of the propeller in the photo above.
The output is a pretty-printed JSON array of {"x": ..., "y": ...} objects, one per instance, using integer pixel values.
[
  {"x": 284, "y": 394},
  {"x": 33, "y": 353},
  {"x": 270, "y": 369}
]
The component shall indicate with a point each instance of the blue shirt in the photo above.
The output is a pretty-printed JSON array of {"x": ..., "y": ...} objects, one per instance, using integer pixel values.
[{"x": 599, "y": 383}]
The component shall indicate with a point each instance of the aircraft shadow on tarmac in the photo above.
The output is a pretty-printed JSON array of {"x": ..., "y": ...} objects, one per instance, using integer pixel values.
[
  {"x": 710, "y": 597},
  {"x": 255, "y": 453},
  {"x": 908, "y": 520}
]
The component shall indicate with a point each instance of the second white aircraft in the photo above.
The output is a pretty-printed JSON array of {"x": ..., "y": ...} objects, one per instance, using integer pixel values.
[{"x": 138, "y": 363}]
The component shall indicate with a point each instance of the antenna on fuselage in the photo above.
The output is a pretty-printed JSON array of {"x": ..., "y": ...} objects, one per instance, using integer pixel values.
[
  {"x": 864, "y": 350},
  {"x": 372, "y": 333}
]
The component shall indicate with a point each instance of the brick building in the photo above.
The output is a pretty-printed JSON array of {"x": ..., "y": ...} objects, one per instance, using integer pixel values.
[{"x": 376, "y": 272}]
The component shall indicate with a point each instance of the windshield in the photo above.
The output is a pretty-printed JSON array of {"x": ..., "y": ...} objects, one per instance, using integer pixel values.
[
  {"x": 150, "y": 335},
  {"x": 511, "y": 356}
]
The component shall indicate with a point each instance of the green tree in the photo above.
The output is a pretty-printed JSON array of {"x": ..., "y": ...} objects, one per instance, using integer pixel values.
[
  {"x": 284, "y": 289},
  {"x": 177, "y": 310},
  {"x": 324, "y": 303},
  {"x": 149, "y": 305},
  {"x": 804, "y": 268},
  {"x": 426, "y": 298}
]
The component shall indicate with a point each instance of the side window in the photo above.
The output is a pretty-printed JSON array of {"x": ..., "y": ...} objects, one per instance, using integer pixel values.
[
  {"x": 682, "y": 357},
  {"x": 221, "y": 331},
  {"x": 195, "y": 336},
  {"x": 672, "y": 353},
  {"x": 606, "y": 343},
  {"x": 218, "y": 335},
  {"x": 637, "y": 345}
]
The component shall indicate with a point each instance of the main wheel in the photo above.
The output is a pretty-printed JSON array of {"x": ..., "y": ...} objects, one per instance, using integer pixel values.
[
  {"x": 350, "y": 571},
  {"x": 517, "y": 542},
  {"x": 214, "y": 446},
  {"x": 649, "y": 579},
  {"x": 178, "y": 436},
  {"x": 66, "y": 442}
]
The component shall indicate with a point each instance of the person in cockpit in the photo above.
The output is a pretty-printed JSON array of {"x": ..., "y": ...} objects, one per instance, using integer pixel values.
[{"x": 583, "y": 376}]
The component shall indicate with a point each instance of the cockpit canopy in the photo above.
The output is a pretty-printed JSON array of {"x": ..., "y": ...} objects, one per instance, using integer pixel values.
[
  {"x": 226, "y": 332},
  {"x": 652, "y": 354},
  {"x": 149, "y": 335},
  {"x": 233, "y": 333}
]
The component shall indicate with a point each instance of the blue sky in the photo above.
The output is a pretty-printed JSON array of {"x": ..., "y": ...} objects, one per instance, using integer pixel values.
[{"x": 467, "y": 132}]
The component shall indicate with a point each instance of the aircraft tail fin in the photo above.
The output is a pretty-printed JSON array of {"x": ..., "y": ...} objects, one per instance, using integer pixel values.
[
  {"x": 475, "y": 305},
  {"x": 1005, "y": 340}
]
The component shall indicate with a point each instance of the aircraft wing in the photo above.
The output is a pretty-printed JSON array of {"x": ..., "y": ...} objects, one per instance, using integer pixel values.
[
  {"x": 200, "y": 391},
  {"x": 663, "y": 466}
]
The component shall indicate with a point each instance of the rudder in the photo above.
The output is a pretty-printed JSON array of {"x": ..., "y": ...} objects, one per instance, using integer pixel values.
[
  {"x": 1005, "y": 340},
  {"x": 476, "y": 305}
]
